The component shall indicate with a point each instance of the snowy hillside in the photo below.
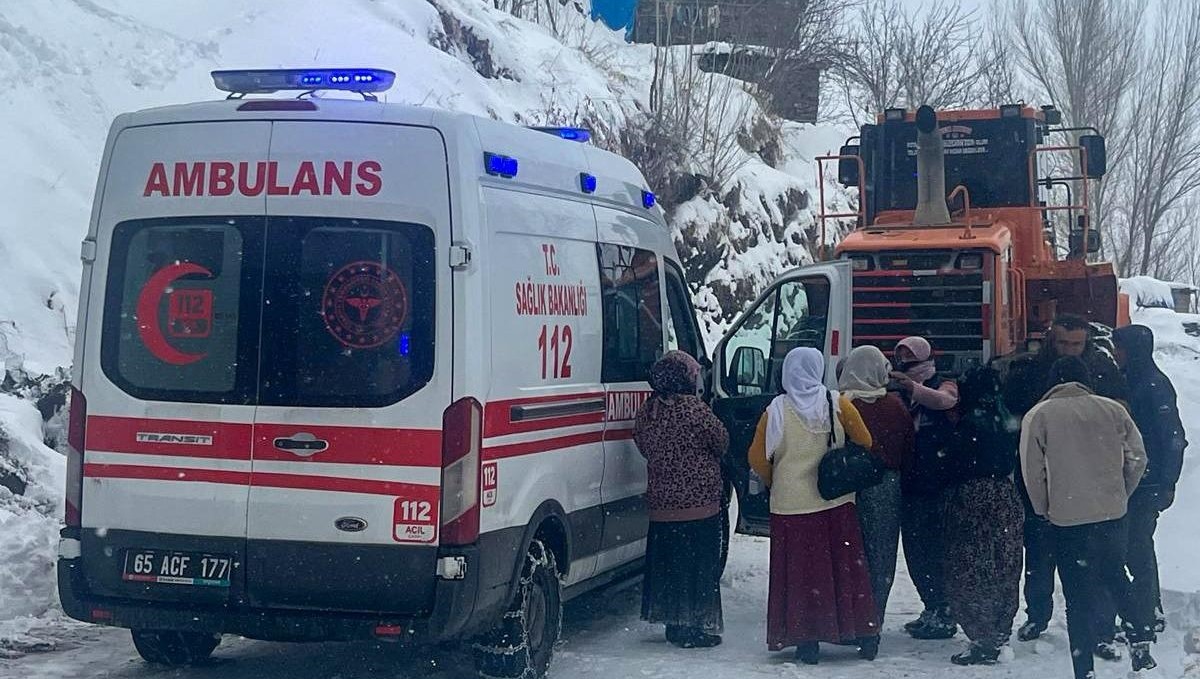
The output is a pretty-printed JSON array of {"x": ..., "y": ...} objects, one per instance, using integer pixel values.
[{"x": 72, "y": 65}]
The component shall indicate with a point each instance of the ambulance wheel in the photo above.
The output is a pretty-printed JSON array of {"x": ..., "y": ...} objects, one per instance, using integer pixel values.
[
  {"x": 174, "y": 649},
  {"x": 521, "y": 645}
]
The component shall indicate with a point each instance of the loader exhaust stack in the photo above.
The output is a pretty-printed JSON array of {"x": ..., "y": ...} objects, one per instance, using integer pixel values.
[{"x": 931, "y": 172}]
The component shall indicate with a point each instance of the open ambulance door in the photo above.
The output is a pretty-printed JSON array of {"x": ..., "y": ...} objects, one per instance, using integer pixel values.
[{"x": 806, "y": 307}]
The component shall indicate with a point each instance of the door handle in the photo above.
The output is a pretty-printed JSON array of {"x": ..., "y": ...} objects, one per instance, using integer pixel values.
[{"x": 302, "y": 444}]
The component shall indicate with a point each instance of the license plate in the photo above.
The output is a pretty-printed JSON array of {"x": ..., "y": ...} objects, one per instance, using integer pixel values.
[{"x": 177, "y": 568}]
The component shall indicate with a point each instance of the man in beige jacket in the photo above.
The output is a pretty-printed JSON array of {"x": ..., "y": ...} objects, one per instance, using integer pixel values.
[{"x": 1082, "y": 457}]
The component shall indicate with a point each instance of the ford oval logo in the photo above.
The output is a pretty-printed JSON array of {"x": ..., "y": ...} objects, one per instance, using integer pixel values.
[{"x": 351, "y": 524}]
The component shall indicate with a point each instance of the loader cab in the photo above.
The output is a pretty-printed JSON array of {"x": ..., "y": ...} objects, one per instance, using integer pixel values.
[{"x": 988, "y": 154}]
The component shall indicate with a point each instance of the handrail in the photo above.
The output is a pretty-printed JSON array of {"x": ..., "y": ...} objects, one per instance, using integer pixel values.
[
  {"x": 861, "y": 214},
  {"x": 966, "y": 194},
  {"x": 1033, "y": 181}
]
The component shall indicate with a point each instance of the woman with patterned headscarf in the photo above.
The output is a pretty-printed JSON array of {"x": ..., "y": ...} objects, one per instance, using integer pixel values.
[
  {"x": 820, "y": 588},
  {"x": 683, "y": 443}
]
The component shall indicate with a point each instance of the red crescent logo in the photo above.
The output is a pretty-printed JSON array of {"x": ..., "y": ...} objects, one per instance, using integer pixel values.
[{"x": 147, "y": 312}]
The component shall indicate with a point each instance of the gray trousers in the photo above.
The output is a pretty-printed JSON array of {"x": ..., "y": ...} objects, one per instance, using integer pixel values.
[{"x": 879, "y": 514}]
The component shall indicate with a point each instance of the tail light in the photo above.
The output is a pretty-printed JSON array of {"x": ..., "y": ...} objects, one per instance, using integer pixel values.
[
  {"x": 76, "y": 428},
  {"x": 462, "y": 441}
]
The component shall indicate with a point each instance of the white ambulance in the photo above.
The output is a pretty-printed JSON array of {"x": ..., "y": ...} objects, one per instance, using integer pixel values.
[{"x": 356, "y": 370}]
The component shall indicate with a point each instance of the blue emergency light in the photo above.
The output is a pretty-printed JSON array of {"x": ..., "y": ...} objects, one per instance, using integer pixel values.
[
  {"x": 265, "y": 81},
  {"x": 587, "y": 182},
  {"x": 500, "y": 166},
  {"x": 578, "y": 134},
  {"x": 648, "y": 200}
]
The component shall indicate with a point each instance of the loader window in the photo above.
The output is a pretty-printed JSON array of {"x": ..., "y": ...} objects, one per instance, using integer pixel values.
[{"x": 989, "y": 157}]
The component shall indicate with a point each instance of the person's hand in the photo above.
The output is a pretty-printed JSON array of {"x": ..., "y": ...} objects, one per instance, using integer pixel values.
[
  {"x": 1166, "y": 499},
  {"x": 902, "y": 380}
]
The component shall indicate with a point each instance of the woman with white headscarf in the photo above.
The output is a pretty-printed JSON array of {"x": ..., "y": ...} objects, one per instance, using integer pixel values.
[
  {"x": 864, "y": 380},
  {"x": 820, "y": 588}
]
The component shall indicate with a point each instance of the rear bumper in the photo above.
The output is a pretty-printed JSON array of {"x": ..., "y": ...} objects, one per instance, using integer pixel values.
[{"x": 452, "y": 615}]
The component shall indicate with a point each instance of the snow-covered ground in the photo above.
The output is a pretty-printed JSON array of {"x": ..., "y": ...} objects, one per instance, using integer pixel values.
[{"x": 602, "y": 639}]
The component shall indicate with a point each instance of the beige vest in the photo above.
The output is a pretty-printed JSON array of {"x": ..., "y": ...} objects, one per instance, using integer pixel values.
[{"x": 794, "y": 472}]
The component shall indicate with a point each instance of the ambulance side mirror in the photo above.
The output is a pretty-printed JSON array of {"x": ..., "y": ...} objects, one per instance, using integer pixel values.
[{"x": 750, "y": 368}]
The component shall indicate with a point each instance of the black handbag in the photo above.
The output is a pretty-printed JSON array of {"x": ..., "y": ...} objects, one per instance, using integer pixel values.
[{"x": 846, "y": 468}]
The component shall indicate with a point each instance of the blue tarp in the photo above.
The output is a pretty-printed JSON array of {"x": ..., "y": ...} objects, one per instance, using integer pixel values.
[{"x": 617, "y": 14}]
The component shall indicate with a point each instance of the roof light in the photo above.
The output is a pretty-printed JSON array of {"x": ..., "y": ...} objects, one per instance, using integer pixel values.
[
  {"x": 1010, "y": 111},
  {"x": 894, "y": 114},
  {"x": 500, "y": 166},
  {"x": 265, "y": 81},
  {"x": 648, "y": 199},
  {"x": 578, "y": 134},
  {"x": 587, "y": 182}
]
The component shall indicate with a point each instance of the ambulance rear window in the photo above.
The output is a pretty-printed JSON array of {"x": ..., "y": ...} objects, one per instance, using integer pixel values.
[
  {"x": 348, "y": 315},
  {"x": 180, "y": 308},
  {"x": 270, "y": 311}
]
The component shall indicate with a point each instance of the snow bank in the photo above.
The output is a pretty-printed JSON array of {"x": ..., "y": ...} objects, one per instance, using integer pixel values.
[
  {"x": 28, "y": 521},
  {"x": 1147, "y": 292}
]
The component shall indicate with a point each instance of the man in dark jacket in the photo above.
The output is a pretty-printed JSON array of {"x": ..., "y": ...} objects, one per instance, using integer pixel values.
[
  {"x": 1152, "y": 402},
  {"x": 1026, "y": 381}
]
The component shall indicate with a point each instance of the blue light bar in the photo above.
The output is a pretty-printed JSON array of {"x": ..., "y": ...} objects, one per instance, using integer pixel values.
[
  {"x": 648, "y": 200},
  {"x": 500, "y": 166},
  {"x": 578, "y": 134},
  {"x": 587, "y": 182},
  {"x": 265, "y": 81}
]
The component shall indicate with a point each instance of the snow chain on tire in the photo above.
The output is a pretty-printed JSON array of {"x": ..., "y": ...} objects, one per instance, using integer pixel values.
[{"x": 506, "y": 652}]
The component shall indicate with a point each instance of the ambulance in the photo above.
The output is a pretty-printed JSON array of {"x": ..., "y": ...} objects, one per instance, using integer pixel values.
[{"x": 356, "y": 370}]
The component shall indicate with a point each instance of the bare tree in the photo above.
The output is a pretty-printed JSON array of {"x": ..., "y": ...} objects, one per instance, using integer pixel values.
[
  {"x": 897, "y": 56},
  {"x": 1083, "y": 56},
  {"x": 996, "y": 64},
  {"x": 1164, "y": 143}
]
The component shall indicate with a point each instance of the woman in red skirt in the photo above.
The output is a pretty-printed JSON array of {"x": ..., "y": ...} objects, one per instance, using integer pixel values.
[{"x": 820, "y": 586}]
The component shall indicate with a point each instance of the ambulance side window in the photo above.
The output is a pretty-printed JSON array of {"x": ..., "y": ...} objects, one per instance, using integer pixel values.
[
  {"x": 682, "y": 332},
  {"x": 632, "y": 312},
  {"x": 181, "y": 309}
]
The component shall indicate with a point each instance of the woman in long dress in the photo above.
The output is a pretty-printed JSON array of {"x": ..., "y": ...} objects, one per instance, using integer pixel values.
[{"x": 820, "y": 588}]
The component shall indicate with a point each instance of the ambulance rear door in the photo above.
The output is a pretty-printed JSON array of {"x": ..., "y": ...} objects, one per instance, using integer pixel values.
[{"x": 344, "y": 502}]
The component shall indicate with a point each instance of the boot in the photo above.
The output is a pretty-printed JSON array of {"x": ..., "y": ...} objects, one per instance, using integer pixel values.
[
  {"x": 1140, "y": 658},
  {"x": 695, "y": 638},
  {"x": 868, "y": 648},
  {"x": 808, "y": 652},
  {"x": 1031, "y": 630},
  {"x": 1107, "y": 650},
  {"x": 676, "y": 634},
  {"x": 925, "y": 618},
  {"x": 1160, "y": 621},
  {"x": 977, "y": 653},
  {"x": 941, "y": 626}
]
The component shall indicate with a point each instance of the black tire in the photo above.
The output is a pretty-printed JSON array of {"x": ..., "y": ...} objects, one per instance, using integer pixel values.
[
  {"x": 522, "y": 644},
  {"x": 174, "y": 649}
]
